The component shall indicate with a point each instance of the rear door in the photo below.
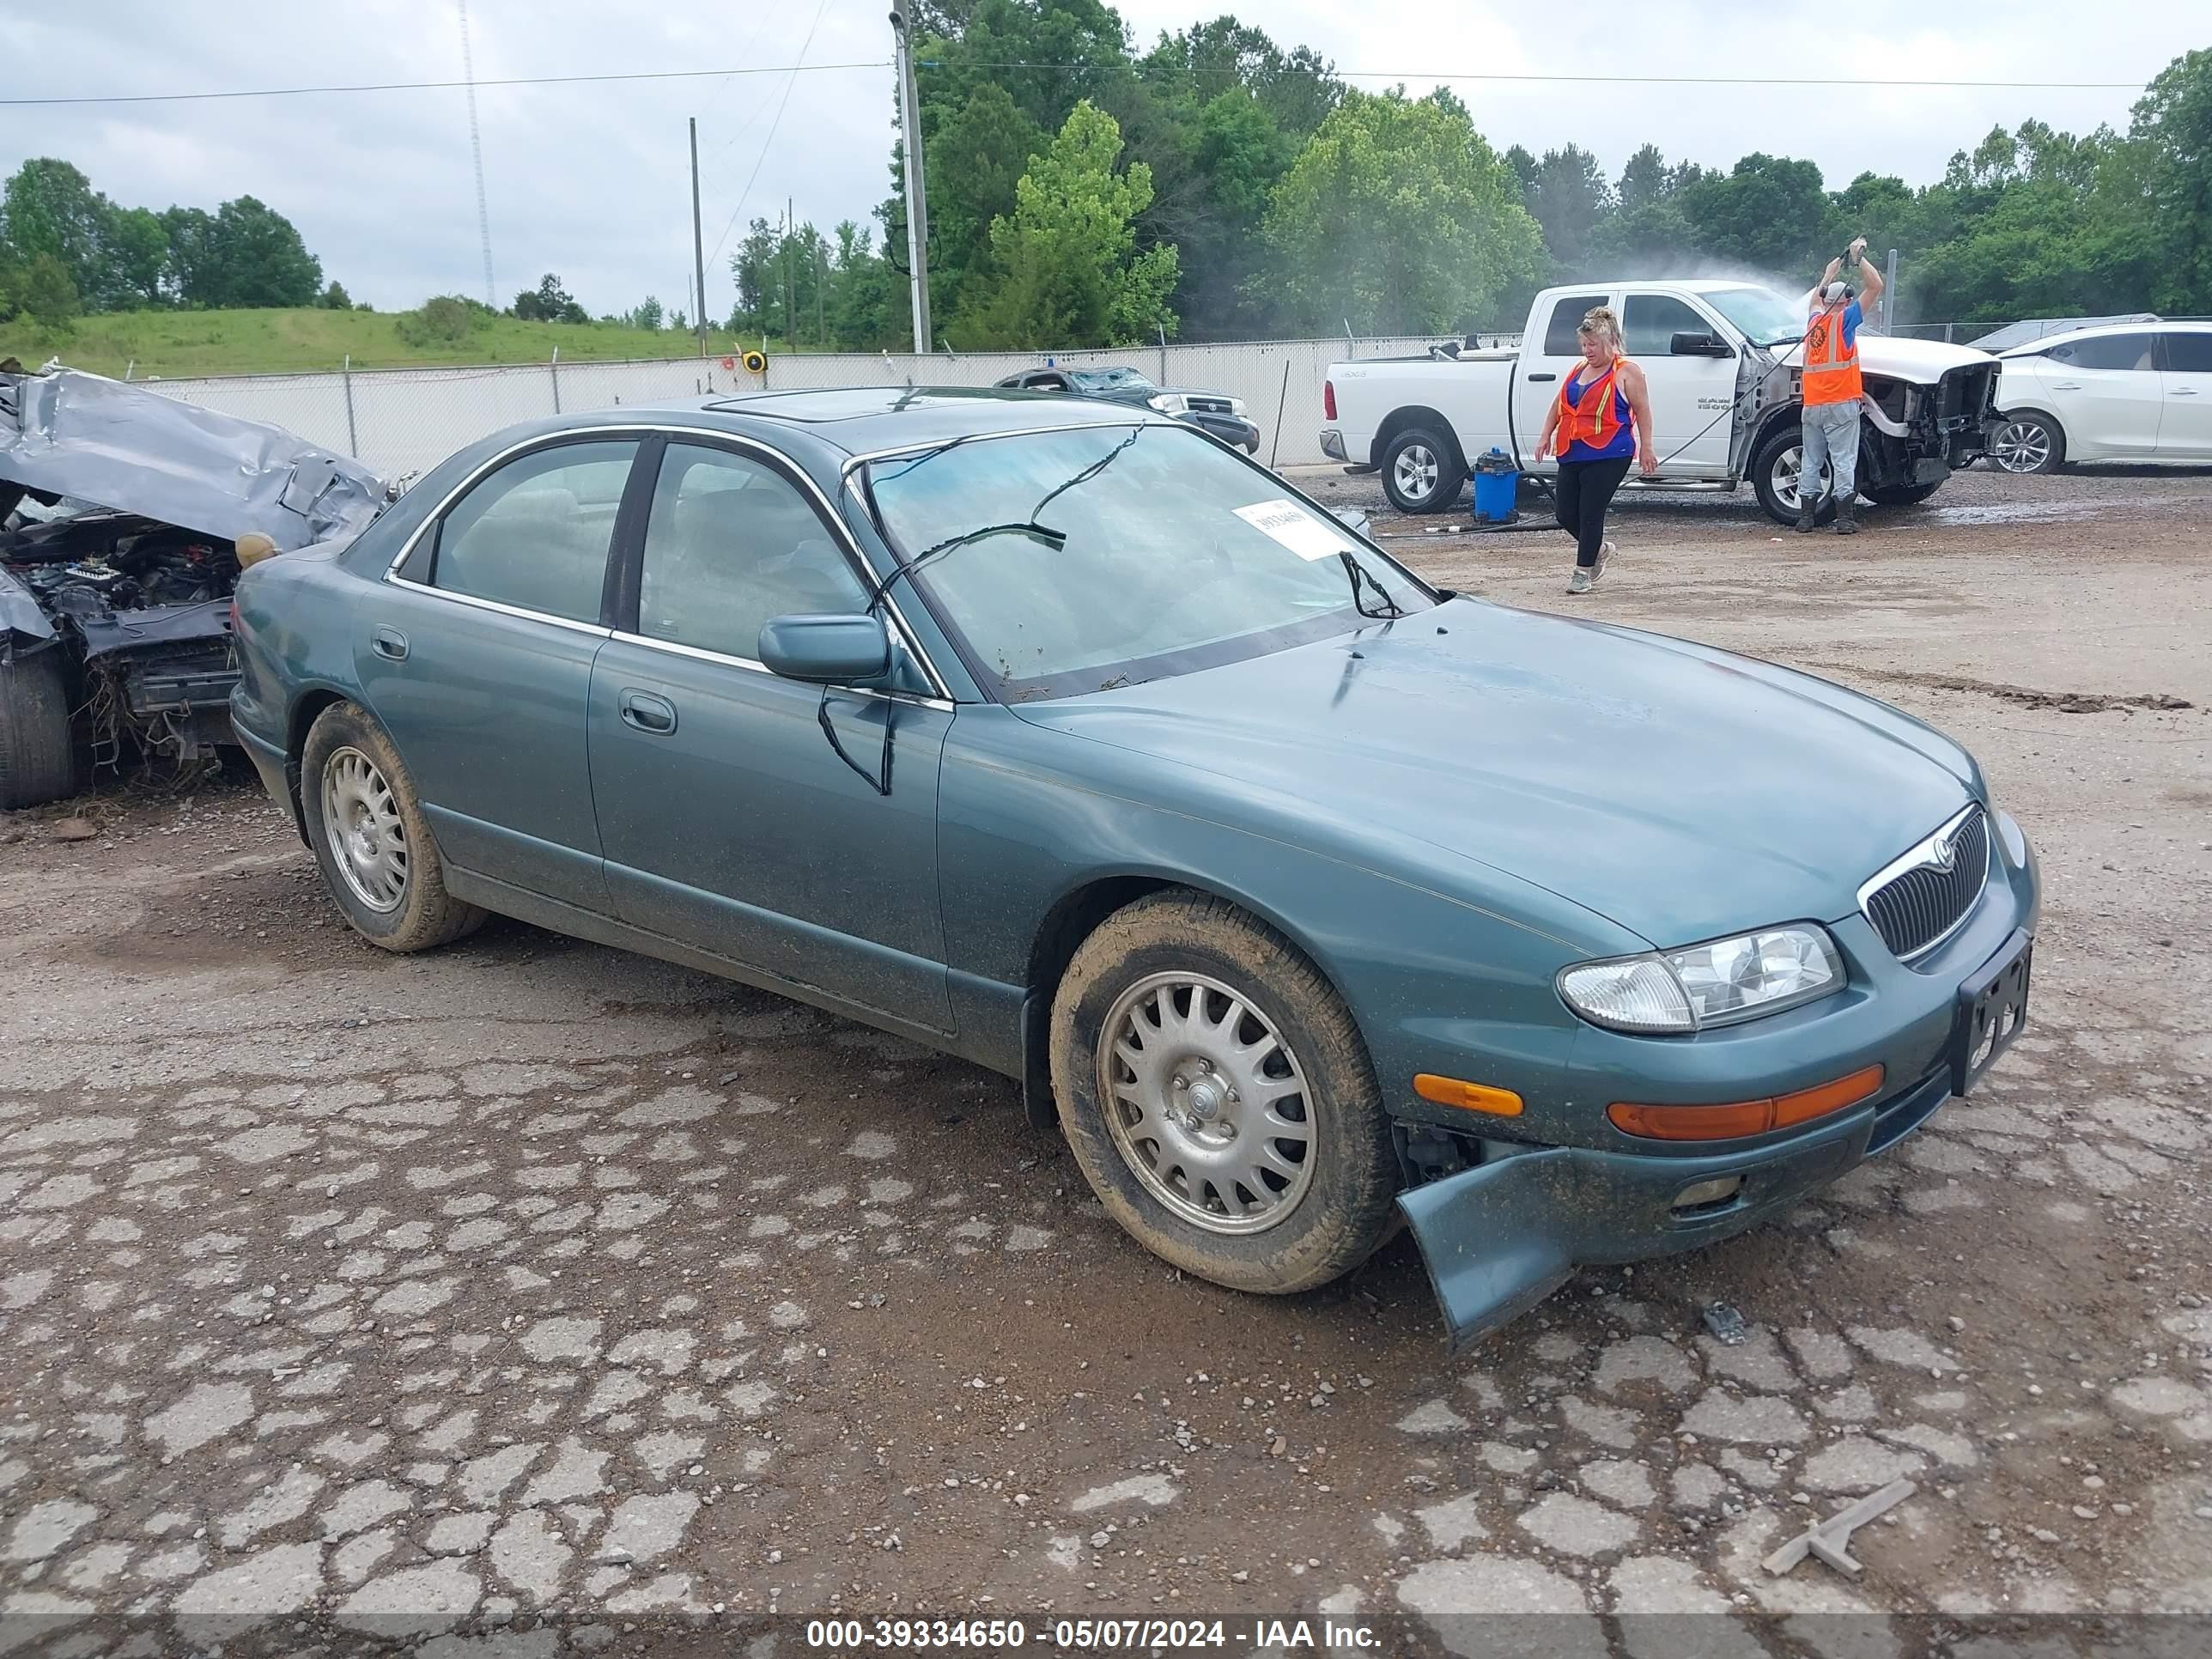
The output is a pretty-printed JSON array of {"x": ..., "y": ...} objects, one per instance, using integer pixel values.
[
  {"x": 1550, "y": 352},
  {"x": 2184, "y": 431},
  {"x": 729, "y": 821},
  {"x": 478, "y": 662},
  {"x": 1692, "y": 395},
  {"x": 2104, "y": 389}
]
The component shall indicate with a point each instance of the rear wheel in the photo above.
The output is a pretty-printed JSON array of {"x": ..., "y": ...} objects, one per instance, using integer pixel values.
[
  {"x": 2027, "y": 442},
  {"x": 367, "y": 830},
  {"x": 1423, "y": 470},
  {"x": 1219, "y": 1097},
  {"x": 38, "y": 754}
]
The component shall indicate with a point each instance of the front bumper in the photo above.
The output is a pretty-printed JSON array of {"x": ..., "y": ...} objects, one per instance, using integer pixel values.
[
  {"x": 1499, "y": 1238},
  {"x": 1231, "y": 429}
]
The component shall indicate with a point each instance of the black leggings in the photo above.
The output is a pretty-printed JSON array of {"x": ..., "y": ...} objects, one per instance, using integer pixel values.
[{"x": 1583, "y": 491}]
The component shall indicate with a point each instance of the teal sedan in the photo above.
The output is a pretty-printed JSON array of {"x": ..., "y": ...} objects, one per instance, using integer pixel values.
[{"x": 1305, "y": 898}]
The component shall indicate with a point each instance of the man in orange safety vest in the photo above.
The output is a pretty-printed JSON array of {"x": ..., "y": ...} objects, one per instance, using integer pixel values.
[{"x": 1831, "y": 388}]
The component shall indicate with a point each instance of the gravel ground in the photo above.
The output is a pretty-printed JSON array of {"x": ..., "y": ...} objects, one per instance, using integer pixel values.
[{"x": 528, "y": 1284}]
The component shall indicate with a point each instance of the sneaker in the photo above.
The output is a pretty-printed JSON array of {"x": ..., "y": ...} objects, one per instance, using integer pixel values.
[
  {"x": 1597, "y": 570},
  {"x": 1580, "y": 582}
]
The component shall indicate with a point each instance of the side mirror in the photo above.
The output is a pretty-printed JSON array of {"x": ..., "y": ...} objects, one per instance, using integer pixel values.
[
  {"x": 1355, "y": 520},
  {"x": 1701, "y": 345},
  {"x": 839, "y": 650}
]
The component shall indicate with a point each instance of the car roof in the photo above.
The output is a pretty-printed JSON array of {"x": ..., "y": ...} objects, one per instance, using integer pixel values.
[
  {"x": 2105, "y": 330},
  {"x": 860, "y": 420}
]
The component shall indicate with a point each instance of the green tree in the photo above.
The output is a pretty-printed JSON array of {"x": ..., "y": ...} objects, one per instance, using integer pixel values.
[
  {"x": 1397, "y": 217},
  {"x": 48, "y": 293},
  {"x": 135, "y": 256},
  {"x": 335, "y": 297},
  {"x": 976, "y": 156},
  {"x": 2172, "y": 136},
  {"x": 1768, "y": 212},
  {"x": 647, "y": 314},
  {"x": 1569, "y": 196},
  {"x": 1068, "y": 268},
  {"x": 48, "y": 207},
  {"x": 548, "y": 302}
]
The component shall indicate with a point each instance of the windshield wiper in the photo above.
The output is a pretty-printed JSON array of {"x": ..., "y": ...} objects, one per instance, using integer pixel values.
[
  {"x": 1781, "y": 340},
  {"x": 1055, "y": 539},
  {"x": 1361, "y": 577}
]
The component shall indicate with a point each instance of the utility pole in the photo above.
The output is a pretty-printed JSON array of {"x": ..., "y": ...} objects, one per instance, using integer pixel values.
[
  {"x": 917, "y": 201},
  {"x": 1889, "y": 296},
  {"x": 698, "y": 247}
]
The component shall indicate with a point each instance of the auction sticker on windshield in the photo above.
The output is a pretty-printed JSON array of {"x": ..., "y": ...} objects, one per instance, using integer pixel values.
[{"x": 1295, "y": 528}]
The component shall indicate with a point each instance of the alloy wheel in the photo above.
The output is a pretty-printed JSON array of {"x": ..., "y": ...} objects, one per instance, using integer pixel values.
[
  {"x": 2021, "y": 447},
  {"x": 1415, "y": 471},
  {"x": 368, "y": 837}
]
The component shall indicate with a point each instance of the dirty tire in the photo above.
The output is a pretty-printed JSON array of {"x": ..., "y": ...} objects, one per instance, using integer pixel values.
[
  {"x": 39, "y": 752},
  {"x": 1346, "y": 1208},
  {"x": 2028, "y": 440},
  {"x": 1902, "y": 495},
  {"x": 426, "y": 915},
  {"x": 1419, "y": 453},
  {"x": 1766, "y": 485}
]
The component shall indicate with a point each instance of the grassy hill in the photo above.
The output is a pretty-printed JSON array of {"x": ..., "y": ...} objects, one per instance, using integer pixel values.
[{"x": 174, "y": 344}]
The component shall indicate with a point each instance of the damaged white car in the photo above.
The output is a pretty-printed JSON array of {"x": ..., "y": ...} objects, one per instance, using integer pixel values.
[{"x": 125, "y": 519}]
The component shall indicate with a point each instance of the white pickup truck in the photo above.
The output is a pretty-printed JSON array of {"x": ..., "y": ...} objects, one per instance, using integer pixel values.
[{"x": 1723, "y": 360}]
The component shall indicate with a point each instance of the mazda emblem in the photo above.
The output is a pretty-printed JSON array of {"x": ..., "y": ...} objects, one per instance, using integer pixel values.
[{"x": 1942, "y": 853}]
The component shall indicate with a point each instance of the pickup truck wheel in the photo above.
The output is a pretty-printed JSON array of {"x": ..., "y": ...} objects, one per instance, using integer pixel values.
[
  {"x": 1774, "y": 477},
  {"x": 369, "y": 836},
  {"x": 38, "y": 753},
  {"x": 1423, "y": 471},
  {"x": 2027, "y": 442},
  {"x": 1903, "y": 495},
  {"x": 1217, "y": 1094}
]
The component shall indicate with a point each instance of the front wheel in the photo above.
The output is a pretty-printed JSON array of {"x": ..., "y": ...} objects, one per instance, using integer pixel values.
[
  {"x": 371, "y": 839},
  {"x": 38, "y": 753},
  {"x": 1216, "y": 1092},
  {"x": 1423, "y": 470},
  {"x": 1775, "y": 476},
  {"x": 2027, "y": 443}
]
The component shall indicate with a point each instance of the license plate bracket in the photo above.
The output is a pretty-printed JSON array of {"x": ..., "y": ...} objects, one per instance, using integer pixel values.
[{"x": 1992, "y": 1009}]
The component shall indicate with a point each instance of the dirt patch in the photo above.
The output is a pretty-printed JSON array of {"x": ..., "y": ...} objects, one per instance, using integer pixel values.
[{"x": 2066, "y": 702}]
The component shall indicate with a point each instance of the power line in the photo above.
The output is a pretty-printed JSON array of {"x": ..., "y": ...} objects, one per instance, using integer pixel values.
[
  {"x": 884, "y": 63},
  {"x": 769, "y": 142}
]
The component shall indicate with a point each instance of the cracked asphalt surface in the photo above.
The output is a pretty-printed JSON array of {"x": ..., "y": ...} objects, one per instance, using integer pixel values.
[{"x": 531, "y": 1288}]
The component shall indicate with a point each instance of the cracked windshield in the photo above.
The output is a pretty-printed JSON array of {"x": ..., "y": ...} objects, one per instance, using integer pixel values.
[{"x": 1176, "y": 557}]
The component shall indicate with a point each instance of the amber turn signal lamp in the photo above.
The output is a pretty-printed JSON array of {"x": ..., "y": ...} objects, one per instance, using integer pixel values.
[
  {"x": 1745, "y": 1117},
  {"x": 1470, "y": 1097}
]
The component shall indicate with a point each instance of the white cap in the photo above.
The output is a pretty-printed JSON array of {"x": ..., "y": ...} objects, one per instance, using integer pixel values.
[{"x": 1835, "y": 292}]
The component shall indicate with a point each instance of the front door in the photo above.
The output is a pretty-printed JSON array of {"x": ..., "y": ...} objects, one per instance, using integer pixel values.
[
  {"x": 2185, "y": 431},
  {"x": 1692, "y": 395},
  {"x": 478, "y": 664},
  {"x": 730, "y": 822}
]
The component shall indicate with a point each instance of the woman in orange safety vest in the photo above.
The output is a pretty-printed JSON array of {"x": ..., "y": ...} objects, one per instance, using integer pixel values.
[{"x": 1590, "y": 428}]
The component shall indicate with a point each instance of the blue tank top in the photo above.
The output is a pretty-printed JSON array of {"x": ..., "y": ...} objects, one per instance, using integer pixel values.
[{"x": 1623, "y": 441}]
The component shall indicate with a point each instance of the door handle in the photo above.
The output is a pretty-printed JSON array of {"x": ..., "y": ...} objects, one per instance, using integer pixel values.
[
  {"x": 2184, "y": 391},
  {"x": 389, "y": 643},
  {"x": 643, "y": 712},
  {"x": 1543, "y": 377},
  {"x": 2066, "y": 385}
]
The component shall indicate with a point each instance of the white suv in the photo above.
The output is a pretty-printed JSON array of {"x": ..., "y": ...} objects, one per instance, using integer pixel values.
[{"x": 2125, "y": 391}]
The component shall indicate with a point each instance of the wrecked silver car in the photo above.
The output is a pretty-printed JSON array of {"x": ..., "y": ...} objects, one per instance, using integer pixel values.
[{"x": 125, "y": 517}]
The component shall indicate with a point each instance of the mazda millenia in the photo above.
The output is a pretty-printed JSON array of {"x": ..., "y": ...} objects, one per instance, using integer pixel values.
[{"x": 1303, "y": 895}]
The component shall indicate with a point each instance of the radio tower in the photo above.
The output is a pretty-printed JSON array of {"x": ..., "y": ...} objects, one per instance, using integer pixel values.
[{"x": 476, "y": 149}]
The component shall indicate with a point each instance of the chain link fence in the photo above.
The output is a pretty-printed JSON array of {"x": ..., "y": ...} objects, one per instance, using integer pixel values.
[{"x": 400, "y": 421}]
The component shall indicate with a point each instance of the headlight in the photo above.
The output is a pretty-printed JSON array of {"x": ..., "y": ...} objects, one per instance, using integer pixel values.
[
  {"x": 1169, "y": 402},
  {"x": 1236, "y": 407},
  {"x": 2012, "y": 838},
  {"x": 1715, "y": 984}
]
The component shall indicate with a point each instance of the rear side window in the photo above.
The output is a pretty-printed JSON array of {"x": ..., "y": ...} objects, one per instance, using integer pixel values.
[
  {"x": 729, "y": 544},
  {"x": 535, "y": 533},
  {"x": 2105, "y": 351},
  {"x": 1650, "y": 322},
  {"x": 1559, "y": 338},
  {"x": 2188, "y": 351}
]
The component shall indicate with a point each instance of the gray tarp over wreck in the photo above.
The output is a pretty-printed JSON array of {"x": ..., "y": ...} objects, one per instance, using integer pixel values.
[{"x": 72, "y": 433}]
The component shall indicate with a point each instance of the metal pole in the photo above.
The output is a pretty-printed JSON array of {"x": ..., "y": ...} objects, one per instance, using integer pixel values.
[
  {"x": 353, "y": 440},
  {"x": 1282, "y": 403},
  {"x": 698, "y": 246},
  {"x": 1889, "y": 295},
  {"x": 557, "y": 380},
  {"x": 917, "y": 200},
  {"x": 1162, "y": 328}
]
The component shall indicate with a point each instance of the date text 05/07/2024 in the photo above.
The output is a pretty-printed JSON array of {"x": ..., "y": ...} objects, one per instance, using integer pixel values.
[{"x": 1088, "y": 1635}]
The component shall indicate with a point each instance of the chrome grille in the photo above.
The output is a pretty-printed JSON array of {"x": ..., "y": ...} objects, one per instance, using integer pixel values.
[
  {"x": 1202, "y": 405},
  {"x": 1921, "y": 899}
]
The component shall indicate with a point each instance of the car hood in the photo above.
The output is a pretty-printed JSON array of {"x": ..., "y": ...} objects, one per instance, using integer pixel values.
[
  {"x": 1680, "y": 791},
  {"x": 1920, "y": 361}
]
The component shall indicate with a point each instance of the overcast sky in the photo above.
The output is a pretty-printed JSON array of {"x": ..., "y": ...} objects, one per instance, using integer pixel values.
[{"x": 591, "y": 181}]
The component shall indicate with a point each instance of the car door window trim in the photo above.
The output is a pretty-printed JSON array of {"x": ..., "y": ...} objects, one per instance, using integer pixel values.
[{"x": 645, "y": 433}]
